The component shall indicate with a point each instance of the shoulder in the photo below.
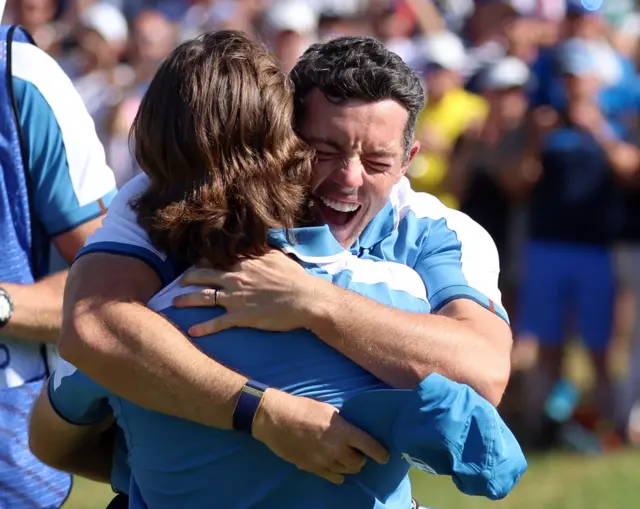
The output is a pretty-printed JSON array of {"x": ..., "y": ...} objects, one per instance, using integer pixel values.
[
  {"x": 33, "y": 70},
  {"x": 427, "y": 216}
]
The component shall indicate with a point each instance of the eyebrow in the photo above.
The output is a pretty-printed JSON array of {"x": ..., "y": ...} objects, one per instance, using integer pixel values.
[
  {"x": 324, "y": 141},
  {"x": 333, "y": 144}
]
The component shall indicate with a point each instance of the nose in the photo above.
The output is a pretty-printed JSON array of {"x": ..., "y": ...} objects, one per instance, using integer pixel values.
[{"x": 351, "y": 174}]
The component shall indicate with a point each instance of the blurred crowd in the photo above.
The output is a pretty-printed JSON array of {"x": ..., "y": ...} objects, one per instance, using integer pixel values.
[{"x": 530, "y": 128}]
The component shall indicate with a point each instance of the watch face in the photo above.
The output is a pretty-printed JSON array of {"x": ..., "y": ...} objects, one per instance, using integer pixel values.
[{"x": 5, "y": 308}]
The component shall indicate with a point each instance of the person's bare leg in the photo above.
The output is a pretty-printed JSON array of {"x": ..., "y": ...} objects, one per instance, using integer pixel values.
[{"x": 540, "y": 380}]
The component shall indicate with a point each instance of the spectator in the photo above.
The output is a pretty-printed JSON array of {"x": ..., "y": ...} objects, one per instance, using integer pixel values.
[
  {"x": 101, "y": 42},
  {"x": 292, "y": 26},
  {"x": 450, "y": 112},
  {"x": 153, "y": 38},
  {"x": 574, "y": 218},
  {"x": 485, "y": 167}
]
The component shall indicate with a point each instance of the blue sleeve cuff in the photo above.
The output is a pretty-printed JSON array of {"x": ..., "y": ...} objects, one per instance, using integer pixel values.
[
  {"x": 451, "y": 293},
  {"x": 94, "y": 419},
  {"x": 163, "y": 268}
]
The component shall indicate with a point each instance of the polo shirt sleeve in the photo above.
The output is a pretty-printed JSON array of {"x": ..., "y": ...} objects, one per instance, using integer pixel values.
[
  {"x": 121, "y": 234},
  {"x": 459, "y": 260},
  {"x": 70, "y": 180},
  {"x": 76, "y": 398}
]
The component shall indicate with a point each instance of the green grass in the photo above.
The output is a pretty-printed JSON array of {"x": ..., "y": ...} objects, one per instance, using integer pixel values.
[{"x": 557, "y": 481}]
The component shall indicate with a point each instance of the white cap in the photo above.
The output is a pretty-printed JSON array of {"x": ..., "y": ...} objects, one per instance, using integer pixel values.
[
  {"x": 446, "y": 50},
  {"x": 107, "y": 20},
  {"x": 510, "y": 72},
  {"x": 292, "y": 15}
]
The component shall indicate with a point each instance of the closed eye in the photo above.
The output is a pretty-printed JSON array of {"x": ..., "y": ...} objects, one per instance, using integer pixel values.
[{"x": 321, "y": 155}]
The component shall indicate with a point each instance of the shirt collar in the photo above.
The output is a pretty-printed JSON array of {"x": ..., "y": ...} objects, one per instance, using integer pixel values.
[{"x": 312, "y": 244}]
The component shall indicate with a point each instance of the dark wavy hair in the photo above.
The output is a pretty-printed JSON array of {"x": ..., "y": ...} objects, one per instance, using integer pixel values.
[
  {"x": 357, "y": 68},
  {"x": 214, "y": 134}
]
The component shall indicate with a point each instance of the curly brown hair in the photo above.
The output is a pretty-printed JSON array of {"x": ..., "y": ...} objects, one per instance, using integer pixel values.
[{"x": 214, "y": 134}]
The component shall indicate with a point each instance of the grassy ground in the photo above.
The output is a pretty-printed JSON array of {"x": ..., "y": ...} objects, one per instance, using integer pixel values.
[{"x": 556, "y": 481}]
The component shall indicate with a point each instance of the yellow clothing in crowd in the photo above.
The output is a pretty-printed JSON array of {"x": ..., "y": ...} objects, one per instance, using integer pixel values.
[{"x": 447, "y": 119}]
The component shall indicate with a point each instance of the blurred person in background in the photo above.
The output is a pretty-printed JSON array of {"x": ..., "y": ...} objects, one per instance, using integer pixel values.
[
  {"x": 574, "y": 214},
  {"x": 485, "y": 165},
  {"x": 153, "y": 37},
  {"x": 37, "y": 17},
  {"x": 54, "y": 189},
  {"x": 102, "y": 39},
  {"x": 496, "y": 28},
  {"x": 628, "y": 273},
  {"x": 449, "y": 113},
  {"x": 291, "y": 26}
]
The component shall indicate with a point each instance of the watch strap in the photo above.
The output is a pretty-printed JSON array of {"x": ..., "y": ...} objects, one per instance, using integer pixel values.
[{"x": 247, "y": 405}]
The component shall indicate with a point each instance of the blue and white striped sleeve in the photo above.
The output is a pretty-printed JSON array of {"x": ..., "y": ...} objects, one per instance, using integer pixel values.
[
  {"x": 71, "y": 182},
  {"x": 121, "y": 234},
  {"x": 459, "y": 260},
  {"x": 76, "y": 398}
]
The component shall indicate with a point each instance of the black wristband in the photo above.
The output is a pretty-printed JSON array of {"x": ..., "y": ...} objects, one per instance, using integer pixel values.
[{"x": 247, "y": 405}]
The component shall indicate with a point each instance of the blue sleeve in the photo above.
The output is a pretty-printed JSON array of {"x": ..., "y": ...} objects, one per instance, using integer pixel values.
[
  {"x": 459, "y": 260},
  {"x": 76, "y": 398},
  {"x": 71, "y": 182}
]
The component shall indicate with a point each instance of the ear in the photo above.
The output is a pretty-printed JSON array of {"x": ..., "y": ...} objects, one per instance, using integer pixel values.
[{"x": 415, "y": 148}]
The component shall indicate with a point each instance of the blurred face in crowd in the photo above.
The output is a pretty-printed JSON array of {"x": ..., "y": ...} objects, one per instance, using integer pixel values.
[
  {"x": 154, "y": 37},
  {"x": 579, "y": 88},
  {"x": 288, "y": 46},
  {"x": 509, "y": 105},
  {"x": 488, "y": 21},
  {"x": 35, "y": 13},
  {"x": 96, "y": 51},
  {"x": 360, "y": 155},
  {"x": 589, "y": 26},
  {"x": 524, "y": 35},
  {"x": 439, "y": 81}
]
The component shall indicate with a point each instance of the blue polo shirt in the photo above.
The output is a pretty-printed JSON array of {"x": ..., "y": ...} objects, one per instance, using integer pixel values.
[
  {"x": 195, "y": 464},
  {"x": 576, "y": 200}
]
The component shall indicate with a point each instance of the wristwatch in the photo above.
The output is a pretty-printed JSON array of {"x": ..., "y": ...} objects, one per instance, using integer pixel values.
[{"x": 6, "y": 308}]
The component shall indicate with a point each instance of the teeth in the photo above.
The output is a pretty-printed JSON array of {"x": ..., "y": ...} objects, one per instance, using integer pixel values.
[{"x": 340, "y": 206}]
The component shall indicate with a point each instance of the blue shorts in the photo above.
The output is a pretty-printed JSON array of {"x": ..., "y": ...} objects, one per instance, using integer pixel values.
[{"x": 565, "y": 285}]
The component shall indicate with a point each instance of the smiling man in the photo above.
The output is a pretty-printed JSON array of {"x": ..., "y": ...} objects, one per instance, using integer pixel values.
[{"x": 356, "y": 104}]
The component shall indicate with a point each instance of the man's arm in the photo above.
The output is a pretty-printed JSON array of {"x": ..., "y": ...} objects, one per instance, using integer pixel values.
[
  {"x": 38, "y": 307},
  {"x": 463, "y": 341},
  {"x": 136, "y": 353},
  {"x": 84, "y": 450}
]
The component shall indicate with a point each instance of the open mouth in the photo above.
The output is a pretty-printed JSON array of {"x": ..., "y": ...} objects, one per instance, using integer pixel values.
[{"x": 338, "y": 213}]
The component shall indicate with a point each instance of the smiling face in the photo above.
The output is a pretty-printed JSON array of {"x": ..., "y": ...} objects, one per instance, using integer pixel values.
[{"x": 360, "y": 155}]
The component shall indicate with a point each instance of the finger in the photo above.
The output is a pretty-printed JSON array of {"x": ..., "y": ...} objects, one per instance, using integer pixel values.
[
  {"x": 222, "y": 322},
  {"x": 350, "y": 461},
  {"x": 207, "y": 297},
  {"x": 368, "y": 445},
  {"x": 203, "y": 277},
  {"x": 332, "y": 477}
]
